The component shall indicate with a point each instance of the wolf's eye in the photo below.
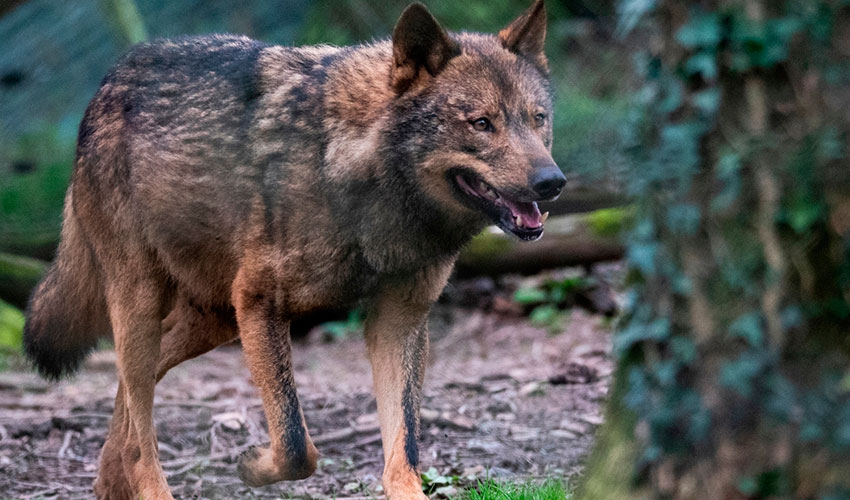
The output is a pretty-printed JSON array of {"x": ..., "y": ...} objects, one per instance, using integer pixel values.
[
  {"x": 539, "y": 120},
  {"x": 482, "y": 124}
]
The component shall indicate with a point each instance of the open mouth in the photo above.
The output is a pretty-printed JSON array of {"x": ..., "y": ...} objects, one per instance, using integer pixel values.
[{"x": 520, "y": 218}]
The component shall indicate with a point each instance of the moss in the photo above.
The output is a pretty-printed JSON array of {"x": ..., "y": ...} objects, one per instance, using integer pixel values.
[
  {"x": 610, "y": 221},
  {"x": 487, "y": 245},
  {"x": 611, "y": 464}
]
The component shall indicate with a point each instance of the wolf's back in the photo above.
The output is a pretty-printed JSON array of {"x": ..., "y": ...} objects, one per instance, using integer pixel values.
[
  {"x": 169, "y": 107},
  {"x": 66, "y": 314}
]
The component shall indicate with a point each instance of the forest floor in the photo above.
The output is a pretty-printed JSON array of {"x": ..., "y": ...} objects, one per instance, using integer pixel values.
[{"x": 502, "y": 399}]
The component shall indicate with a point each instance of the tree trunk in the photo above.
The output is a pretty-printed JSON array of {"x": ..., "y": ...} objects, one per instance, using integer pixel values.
[{"x": 733, "y": 377}]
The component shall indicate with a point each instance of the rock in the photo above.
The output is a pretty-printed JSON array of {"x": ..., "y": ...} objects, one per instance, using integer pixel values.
[
  {"x": 521, "y": 433},
  {"x": 591, "y": 419},
  {"x": 498, "y": 472},
  {"x": 445, "y": 419},
  {"x": 561, "y": 433},
  {"x": 532, "y": 389},
  {"x": 501, "y": 406},
  {"x": 428, "y": 415},
  {"x": 572, "y": 426},
  {"x": 499, "y": 387},
  {"x": 367, "y": 419},
  {"x": 457, "y": 422},
  {"x": 575, "y": 374},
  {"x": 352, "y": 486},
  {"x": 446, "y": 492},
  {"x": 473, "y": 472},
  {"x": 519, "y": 374},
  {"x": 480, "y": 445},
  {"x": 231, "y": 421}
]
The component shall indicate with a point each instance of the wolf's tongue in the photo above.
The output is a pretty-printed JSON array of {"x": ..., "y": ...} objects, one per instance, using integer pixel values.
[{"x": 528, "y": 213}]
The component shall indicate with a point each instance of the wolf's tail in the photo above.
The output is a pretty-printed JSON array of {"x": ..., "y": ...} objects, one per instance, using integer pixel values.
[{"x": 66, "y": 314}]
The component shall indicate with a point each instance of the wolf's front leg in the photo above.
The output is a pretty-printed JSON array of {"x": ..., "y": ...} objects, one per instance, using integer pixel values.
[
  {"x": 397, "y": 342},
  {"x": 266, "y": 343}
]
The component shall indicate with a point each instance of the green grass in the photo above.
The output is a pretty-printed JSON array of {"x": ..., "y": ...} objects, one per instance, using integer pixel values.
[{"x": 494, "y": 490}]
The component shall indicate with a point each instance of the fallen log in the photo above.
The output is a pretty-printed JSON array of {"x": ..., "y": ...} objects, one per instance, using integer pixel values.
[
  {"x": 582, "y": 200},
  {"x": 568, "y": 241},
  {"x": 18, "y": 276}
]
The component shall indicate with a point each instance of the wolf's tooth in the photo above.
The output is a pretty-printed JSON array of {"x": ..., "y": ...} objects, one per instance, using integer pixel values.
[
  {"x": 544, "y": 217},
  {"x": 518, "y": 221}
]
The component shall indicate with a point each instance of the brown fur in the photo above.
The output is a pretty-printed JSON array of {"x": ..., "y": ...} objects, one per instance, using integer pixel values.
[{"x": 222, "y": 185}]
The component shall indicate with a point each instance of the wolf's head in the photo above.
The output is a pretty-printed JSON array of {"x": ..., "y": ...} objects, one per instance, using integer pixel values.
[{"x": 474, "y": 115}]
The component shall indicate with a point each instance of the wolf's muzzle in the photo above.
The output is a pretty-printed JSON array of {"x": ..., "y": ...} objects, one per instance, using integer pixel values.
[{"x": 548, "y": 181}]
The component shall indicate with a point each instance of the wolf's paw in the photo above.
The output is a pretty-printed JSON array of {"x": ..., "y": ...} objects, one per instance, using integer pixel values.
[
  {"x": 252, "y": 469},
  {"x": 112, "y": 482},
  {"x": 258, "y": 466},
  {"x": 401, "y": 482},
  {"x": 112, "y": 488}
]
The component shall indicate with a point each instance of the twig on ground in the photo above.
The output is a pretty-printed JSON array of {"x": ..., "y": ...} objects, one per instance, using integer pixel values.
[
  {"x": 169, "y": 449},
  {"x": 66, "y": 442}
]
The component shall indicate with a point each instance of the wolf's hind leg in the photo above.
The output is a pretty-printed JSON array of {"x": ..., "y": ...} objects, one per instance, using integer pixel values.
[
  {"x": 189, "y": 331},
  {"x": 135, "y": 312},
  {"x": 112, "y": 482},
  {"x": 268, "y": 352}
]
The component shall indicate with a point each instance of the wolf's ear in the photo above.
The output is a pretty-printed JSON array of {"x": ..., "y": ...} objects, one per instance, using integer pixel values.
[
  {"x": 527, "y": 34},
  {"x": 419, "y": 42}
]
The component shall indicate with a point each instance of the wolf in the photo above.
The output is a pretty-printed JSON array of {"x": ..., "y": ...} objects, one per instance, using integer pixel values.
[{"x": 223, "y": 187}]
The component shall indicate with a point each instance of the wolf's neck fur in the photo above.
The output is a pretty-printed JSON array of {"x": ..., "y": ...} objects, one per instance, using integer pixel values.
[{"x": 366, "y": 167}]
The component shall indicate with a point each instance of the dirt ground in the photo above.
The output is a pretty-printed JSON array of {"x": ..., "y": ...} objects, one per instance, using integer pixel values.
[{"x": 501, "y": 399}]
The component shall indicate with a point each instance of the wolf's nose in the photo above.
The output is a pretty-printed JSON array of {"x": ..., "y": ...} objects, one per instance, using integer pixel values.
[{"x": 548, "y": 181}]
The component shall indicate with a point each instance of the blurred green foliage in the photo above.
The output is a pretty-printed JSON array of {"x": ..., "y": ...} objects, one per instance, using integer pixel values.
[
  {"x": 550, "y": 300},
  {"x": 340, "y": 330},
  {"x": 32, "y": 192},
  {"x": 11, "y": 328}
]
